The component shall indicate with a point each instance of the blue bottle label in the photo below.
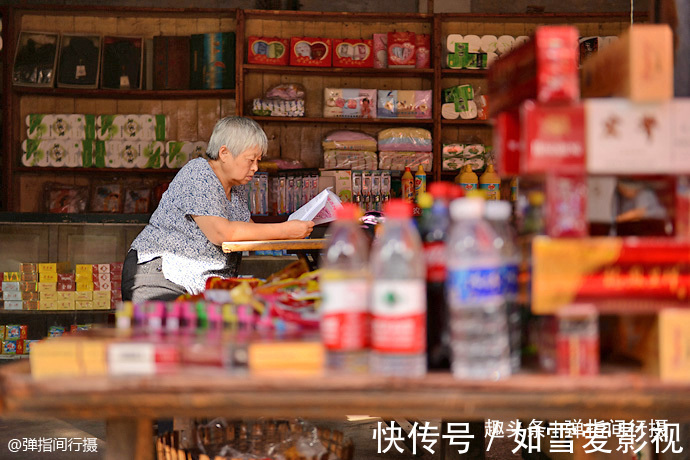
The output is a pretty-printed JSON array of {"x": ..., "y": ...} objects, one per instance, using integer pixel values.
[
  {"x": 509, "y": 279},
  {"x": 474, "y": 284}
]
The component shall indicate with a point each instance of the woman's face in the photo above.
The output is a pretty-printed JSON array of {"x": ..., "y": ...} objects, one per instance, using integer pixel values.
[{"x": 239, "y": 170}]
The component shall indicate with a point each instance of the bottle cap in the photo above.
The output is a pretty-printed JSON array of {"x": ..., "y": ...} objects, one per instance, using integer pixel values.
[
  {"x": 440, "y": 189},
  {"x": 398, "y": 209},
  {"x": 467, "y": 208},
  {"x": 348, "y": 211},
  {"x": 536, "y": 198},
  {"x": 497, "y": 210},
  {"x": 425, "y": 200}
]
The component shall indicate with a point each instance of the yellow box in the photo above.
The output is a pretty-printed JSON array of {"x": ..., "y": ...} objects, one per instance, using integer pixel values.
[
  {"x": 84, "y": 286},
  {"x": 66, "y": 305},
  {"x": 47, "y": 268},
  {"x": 66, "y": 295},
  {"x": 83, "y": 295},
  {"x": 47, "y": 277},
  {"x": 47, "y": 287},
  {"x": 83, "y": 305},
  {"x": 83, "y": 278},
  {"x": 84, "y": 269},
  {"x": 102, "y": 295},
  {"x": 674, "y": 345},
  {"x": 48, "y": 305},
  {"x": 101, "y": 304},
  {"x": 48, "y": 296}
]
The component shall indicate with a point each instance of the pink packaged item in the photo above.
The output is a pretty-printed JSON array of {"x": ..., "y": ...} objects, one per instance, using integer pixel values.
[
  {"x": 401, "y": 49},
  {"x": 423, "y": 51},
  {"x": 310, "y": 52},
  {"x": 349, "y": 103},
  {"x": 380, "y": 51},
  {"x": 349, "y": 140}
]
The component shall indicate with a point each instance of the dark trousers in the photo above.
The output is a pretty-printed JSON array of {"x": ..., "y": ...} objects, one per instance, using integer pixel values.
[{"x": 142, "y": 282}]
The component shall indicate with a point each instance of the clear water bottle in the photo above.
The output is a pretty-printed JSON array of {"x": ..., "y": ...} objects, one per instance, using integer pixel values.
[
  {"x": 498, "y": 215},
  {"x": 398, "y": 322},
  {"x": 345, "y": 288},
  {"x": 479, "y": 329}
]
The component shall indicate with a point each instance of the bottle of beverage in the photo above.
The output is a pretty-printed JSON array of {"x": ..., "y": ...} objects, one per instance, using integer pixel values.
[
  {"x": 491, "y": 183},
  {"x": 407, "y": 185},
  {"x": 398, "y": 322},
  {"x": 479, "y": 331},
  {"x": 434, "y": 226},
  {"x": 419, "y": 181},
  {"x": 498, "y": 215},
  {"x": 467, "y": 179},
  {"x": 345, "y": 288}
]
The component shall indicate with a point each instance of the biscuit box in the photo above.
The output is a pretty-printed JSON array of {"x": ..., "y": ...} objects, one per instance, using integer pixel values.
[
  {"x": 401, "y": 49},
  {"x": 268, "y": 51},
  {"x": 353, "y": 53},
  {"x": 310, "y": 52}
]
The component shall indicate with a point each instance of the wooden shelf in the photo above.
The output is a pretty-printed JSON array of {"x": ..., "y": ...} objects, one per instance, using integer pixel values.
[
  {"x": 357, "y": 121},
  {"x": 338, "y": 71},
  {"x": 474, "y": 122},
  {"x": 481, "y": 73},
  {"x": 53, "y": 312},
  {"x": 310, "y": 16},
  {"x": 99, "y": 171},
  {"x": 126, "y": 94}
]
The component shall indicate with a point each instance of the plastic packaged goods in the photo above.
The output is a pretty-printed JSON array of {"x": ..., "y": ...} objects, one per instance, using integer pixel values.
[
  {"x": 398, "y": 323},
  {"x": 407, "y": 185},
  {"x": 479, "y": 330},
  {"x": 498, "y": 215},
  {"x": 345, "y": 292}
]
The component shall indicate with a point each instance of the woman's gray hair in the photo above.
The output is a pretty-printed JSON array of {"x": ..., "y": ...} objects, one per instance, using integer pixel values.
[{"x": 237, "y": 134}]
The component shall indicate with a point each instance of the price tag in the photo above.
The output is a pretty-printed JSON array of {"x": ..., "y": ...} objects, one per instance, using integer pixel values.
[
  {"x": 124, "y": 81},
  {"x": 81, "y": 71}
]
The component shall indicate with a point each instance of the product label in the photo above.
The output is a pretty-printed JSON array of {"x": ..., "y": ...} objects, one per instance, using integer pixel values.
[
  {"x": 467, "y": 186},
  {"x": 474, "y": 285},
  {"x": 492, "y": 191},
  {"x": 435, "y": 256},
  {"x": 509, "y": 280},
  {"x": 345, "y": 319},
  {"x": 398, "y": 323}
]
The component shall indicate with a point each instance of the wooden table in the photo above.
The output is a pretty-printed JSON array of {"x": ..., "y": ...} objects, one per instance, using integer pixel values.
[
  {"x": 130, "y": 403},
  {"x": 307, "y": 249}
]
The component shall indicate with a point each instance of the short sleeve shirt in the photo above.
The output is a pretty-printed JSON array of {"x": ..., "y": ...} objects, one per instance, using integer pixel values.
[{"x": 189, "y": 258}]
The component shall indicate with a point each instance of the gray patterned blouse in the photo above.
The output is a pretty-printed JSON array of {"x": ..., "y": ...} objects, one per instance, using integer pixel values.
[{"x": 189, "y": 258}]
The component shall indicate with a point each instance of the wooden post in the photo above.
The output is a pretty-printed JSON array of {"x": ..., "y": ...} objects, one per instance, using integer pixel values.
[{"x": 130, "y": 438}]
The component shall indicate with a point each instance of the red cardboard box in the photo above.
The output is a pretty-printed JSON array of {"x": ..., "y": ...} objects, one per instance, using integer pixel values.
[
  {"x": 66, "y": 277},
  {"x": 353, "y": 53},
  {"x": 116, "y": 267},
  {"x": 506, "y": 138},
  {"x": 543, "y": 68},
  {"x": 401, "y": 49},
  {"x": 552, "y": 138},
  {"x": 66, "y": 286},
  {"x": 267, "y": 51},
  {"x": 310, "y": 52}
]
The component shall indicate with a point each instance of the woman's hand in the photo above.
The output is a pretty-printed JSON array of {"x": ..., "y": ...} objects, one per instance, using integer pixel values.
[{"x": 297, "y": 229}]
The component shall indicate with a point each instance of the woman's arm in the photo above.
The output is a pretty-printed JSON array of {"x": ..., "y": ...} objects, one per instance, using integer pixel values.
[{"x": 219, "y": 230}]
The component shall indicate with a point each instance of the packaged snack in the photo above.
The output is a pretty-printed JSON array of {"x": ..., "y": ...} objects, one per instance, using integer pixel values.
[
  {"x": 423, "y": 51},
  {"x": 349, "y": 159},
  {"x": 137, "y": 199},
  {"x": 63, "y": 198},
  {"x": 380, "y": 51},
  {"x": 268, "y": 51},
  {"x": 349, "y": 140},
  {"x": 285, "y": 100},
  {"x": 353, "y": 53},
  {"x": 405, "y": 139},
  {"x": 311, "y": 52},
  {"x": 15, "y": 331},
  {"x": 349, "y": 103},
  {"x": 398, "y": 161},
  {"x": 404, "y": 104},
  {"x": 9, "y": 347},
  {"x": 106, "y": 198},
  {"x": 401, "y": 49}
]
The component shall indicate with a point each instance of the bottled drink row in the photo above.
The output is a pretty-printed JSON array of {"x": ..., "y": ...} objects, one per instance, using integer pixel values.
[{"x": 434, "y": 294}]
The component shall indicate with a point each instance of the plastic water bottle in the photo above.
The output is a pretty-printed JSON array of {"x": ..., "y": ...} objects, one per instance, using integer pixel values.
[
  {"x": 498, "y": 215},
  {"x": 398, "y": 322},
  {"x": 345, "y": 288},
  {"x": 479, "y": 330}
]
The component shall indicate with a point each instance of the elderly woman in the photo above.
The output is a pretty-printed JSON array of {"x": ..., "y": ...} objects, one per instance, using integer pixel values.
[{"x": 203, "y": 207}]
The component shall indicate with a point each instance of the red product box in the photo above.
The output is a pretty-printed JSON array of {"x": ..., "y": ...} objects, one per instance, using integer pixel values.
[
  {"x": 29, "y": 276},
  {"x": 422, "y": 51},
  {"x": 544, "y": 68},
  {"x": 506, "y": 139},
  {"x": 28, "y": 268},
  {"x": 310, "y": 52},
  {"x": 101, "y": 268},
  {"x": 115, "y": 285},
  {"x": 683, "y": 207},
  {"x": 102, "y": 286},
  {"x": 566, "y": 205},
  {"x": 115, "y": 277},
  {"x": 30, "y": 296},
  {"x": 66, "y": 286},
  {"x": 28, "y": 286},
  {"x": 401, "y": 49},
  {"x": 267, "y": 51},
  {"x": 32, "y": 304},
  {"x": 552, "y": 138},
  {"x": 115, "y": 294},
  {"x": 66, "y": 277},
  {"x": 101, "y": 277},
  {"x": 116, "y": 267},
  {"x": 353, "y": 53}
]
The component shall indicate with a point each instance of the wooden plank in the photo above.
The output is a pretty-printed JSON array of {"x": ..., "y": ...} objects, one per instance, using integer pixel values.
[
  {"x": 208, "y": 113},
  {"x": 187, "y": 123},
  {"x": 207, "y": 25},
  {"x": 239, "y": 246},
  {"x": 228, "y": 107},
  {"x": 291, "y": 142},
  {"x": 129, "y": 106},
  {"x": 311, "y": 154},
  {"x": 173, "y": 26},
  {"x": 88, "y": 25},
  {"x": 108, "y": 25},
  {"x": 129, "y": 438},
  {"x": 272, "y": 131},
  {"x": 170, "y": 108}
]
